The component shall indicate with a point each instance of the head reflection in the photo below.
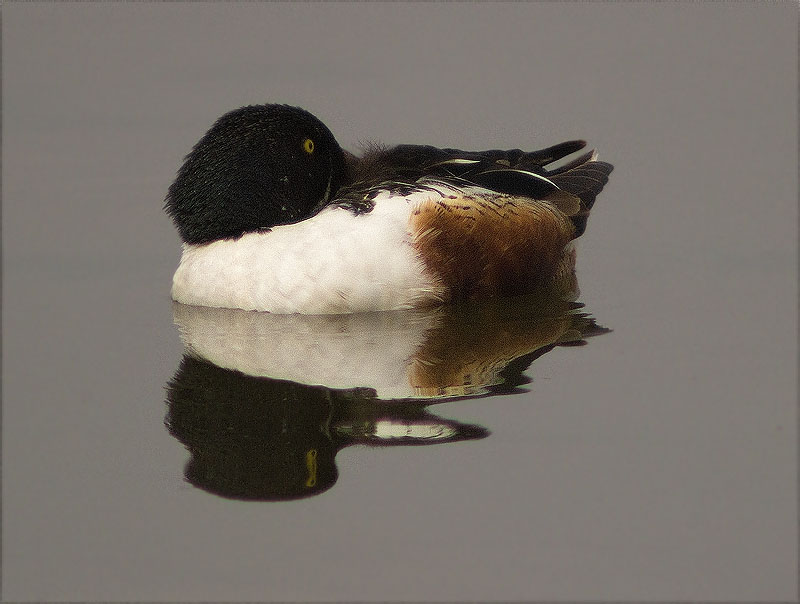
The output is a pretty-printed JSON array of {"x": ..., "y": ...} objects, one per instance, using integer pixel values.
[
  {"x": 264, "y": 439},
  {"x": 264, "y": 402}
]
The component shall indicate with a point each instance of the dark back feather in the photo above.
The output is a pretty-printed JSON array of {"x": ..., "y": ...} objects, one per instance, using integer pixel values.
[{"x": 513, "y": 171}]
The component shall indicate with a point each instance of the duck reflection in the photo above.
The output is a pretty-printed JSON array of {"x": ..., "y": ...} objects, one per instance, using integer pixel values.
[{"x": 264, "y": 402}]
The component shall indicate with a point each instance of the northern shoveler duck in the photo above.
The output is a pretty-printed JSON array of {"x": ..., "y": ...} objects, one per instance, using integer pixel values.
[{"x": 276, "y": 217}]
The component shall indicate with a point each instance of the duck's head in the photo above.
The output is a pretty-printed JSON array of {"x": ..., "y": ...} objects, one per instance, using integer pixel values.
[{"x": 257, "y": 167}]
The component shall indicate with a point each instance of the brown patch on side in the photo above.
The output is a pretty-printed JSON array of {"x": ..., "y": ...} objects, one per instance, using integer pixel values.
[{"x": 490, "y": 246}]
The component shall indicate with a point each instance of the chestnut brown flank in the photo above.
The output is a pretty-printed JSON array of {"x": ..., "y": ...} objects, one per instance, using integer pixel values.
[{"x": 492, "y": 245}]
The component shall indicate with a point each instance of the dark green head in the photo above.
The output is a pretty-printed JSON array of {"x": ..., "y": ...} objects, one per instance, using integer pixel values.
[{"x": 257, "y": 167}]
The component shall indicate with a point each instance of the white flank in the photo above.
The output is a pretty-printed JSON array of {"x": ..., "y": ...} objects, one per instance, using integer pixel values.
[{"x": 335, "y": 262}]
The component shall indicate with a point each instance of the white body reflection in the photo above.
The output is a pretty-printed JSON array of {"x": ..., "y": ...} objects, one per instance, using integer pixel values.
[{"x": 435, "y": 353}]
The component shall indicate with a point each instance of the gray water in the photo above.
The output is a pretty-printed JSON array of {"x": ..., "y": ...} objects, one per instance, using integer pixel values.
[{"x": 656, "y": 462}]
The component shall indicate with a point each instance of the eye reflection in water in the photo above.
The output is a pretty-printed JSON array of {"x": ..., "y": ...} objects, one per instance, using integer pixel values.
[{"x": 264, "y": 402}]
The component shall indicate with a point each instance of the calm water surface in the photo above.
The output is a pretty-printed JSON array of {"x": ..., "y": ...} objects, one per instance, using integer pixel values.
[{"x": 656, "y": 462}]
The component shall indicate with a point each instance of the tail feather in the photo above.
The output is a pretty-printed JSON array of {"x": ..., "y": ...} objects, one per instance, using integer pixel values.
[
  {"x": 584, "y": 181},
  {"x": 583, "y": 177}
]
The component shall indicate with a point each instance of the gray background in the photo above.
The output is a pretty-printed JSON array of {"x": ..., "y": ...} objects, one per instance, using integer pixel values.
[{"x": 658, "y": 462}]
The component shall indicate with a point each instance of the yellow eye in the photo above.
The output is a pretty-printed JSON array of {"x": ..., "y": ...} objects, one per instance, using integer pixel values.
[{"x": 308, "y": 146}]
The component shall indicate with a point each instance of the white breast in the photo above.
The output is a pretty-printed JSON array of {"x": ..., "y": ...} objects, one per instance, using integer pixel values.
[{"x": 334, "y": 262}]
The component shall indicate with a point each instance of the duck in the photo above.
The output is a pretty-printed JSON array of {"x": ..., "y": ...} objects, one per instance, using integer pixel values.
[{"x": 274, "y": 216}]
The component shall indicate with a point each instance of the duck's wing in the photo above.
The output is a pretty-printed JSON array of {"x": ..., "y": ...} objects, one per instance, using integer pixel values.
[
  {"x": 572, "y": 186},
  {"x": 428, "y": 160}
]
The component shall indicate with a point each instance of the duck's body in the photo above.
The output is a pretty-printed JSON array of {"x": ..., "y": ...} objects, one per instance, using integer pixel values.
[{"x": 399, "y": 228}]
